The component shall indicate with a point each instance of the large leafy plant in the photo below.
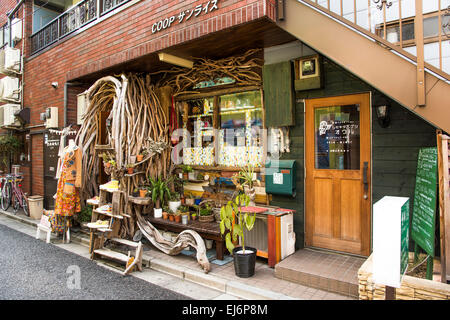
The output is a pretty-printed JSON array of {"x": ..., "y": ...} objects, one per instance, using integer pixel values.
[
  {"x": 233, "y": 212},
  {"x": 160, "y": 190}
]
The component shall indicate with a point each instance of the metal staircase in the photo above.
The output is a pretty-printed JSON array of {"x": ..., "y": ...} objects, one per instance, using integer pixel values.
[{"x": 419, "y": 86}]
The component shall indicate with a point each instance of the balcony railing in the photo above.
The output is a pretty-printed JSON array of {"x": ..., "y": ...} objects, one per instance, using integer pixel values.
[{"x": 71, "y": 20}]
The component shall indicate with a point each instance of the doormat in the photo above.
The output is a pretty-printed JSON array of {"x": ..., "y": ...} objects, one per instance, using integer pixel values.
[
  {"x": 211, "y": 255},
  {"x": 226, "y": 259}
]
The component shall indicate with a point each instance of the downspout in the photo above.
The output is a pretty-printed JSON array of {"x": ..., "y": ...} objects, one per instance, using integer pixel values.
[{"x": 66, "y": 99}]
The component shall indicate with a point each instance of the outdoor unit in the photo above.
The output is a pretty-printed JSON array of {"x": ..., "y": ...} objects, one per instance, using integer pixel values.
[
  {"x": 16, "y": 29},
  {"x": 12, "y": 59},
  {"x": 9, "y": 119},
  {"x": 10, "y": 88},
  {"x": 81, "y": 107},
  {"x": 258, "y": 236},
  {"x": 51, "y": 117}
]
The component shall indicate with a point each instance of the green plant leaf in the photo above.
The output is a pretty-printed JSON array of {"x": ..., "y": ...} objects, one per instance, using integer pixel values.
[
  {"x": 228, "y": 243},
  {"x": 227, "y": 223},
  {"x": 250, "y": 221}
]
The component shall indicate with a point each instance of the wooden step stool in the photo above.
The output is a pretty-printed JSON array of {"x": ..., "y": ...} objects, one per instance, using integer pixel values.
[{"x": 130, "y": 261}]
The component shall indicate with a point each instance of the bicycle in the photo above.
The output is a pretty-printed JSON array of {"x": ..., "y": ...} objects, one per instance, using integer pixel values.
[
  {"x": 6, "y": 191},
  {"x": 19, "y": 198}
]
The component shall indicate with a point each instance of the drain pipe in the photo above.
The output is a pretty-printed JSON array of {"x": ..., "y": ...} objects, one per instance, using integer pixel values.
[{"x": 66, "y": 99}]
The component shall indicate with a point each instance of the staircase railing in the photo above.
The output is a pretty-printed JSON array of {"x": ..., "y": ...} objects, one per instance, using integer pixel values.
[{"x": 398, "y": 26}]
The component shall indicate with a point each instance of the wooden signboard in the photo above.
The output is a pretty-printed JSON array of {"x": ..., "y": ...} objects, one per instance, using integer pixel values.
[{"x": 424, "y": 208}]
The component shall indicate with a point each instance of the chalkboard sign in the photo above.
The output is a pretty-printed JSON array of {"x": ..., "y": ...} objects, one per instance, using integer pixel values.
[{"x": 424, "y": 208}]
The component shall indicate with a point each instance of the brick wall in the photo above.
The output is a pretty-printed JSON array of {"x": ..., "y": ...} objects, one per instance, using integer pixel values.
[{"x": 122, "y": 37}]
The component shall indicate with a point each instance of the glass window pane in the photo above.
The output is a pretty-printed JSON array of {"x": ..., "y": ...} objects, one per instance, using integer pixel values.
[
  {"x": 337, "y": 141},
  {"x": 240, "y": 142},
  {"x": 431, "y": 27},
  {"x": 407, "y": 31},
  {"x": 198, "y": 142}
]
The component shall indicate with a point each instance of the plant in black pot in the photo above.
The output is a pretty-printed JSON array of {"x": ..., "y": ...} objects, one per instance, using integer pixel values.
[{"x": 244, "y": 257}]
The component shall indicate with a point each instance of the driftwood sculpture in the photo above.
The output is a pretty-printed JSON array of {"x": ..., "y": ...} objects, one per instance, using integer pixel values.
[{"x": 185, "y": 239}]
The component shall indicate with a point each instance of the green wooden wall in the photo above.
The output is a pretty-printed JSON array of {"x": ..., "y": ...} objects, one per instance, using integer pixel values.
[{"x": 394, "y": 149}]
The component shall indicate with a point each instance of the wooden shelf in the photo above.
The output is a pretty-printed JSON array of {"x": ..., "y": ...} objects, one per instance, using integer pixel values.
[
  {"x": 134, "y": 174},
  {"x": 140, "y": 201},
  {"x": 108, "y": 214}
]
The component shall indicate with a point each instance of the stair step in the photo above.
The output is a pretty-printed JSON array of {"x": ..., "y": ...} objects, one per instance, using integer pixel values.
[
  {"x": 112, "y": 254},
  {"x": 126, "y": 242}
]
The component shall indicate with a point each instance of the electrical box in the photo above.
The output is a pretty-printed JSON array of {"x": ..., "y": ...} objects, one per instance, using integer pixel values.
[
  {"x": 16, "y": 29},
  {"x": 281, "y": 176},
  {"x": 51, "y": 117},
  {"x": 11, "y": 88},
  {"x": 81, "y": 107},
  {"x": 9, "y": 118}
]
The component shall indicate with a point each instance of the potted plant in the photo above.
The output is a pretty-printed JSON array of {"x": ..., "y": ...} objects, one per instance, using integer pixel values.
[
  {"x": 174, "y": 201},
  {"x": 143, "y": 191},
  {"x": 205, "y": 213},
  {"x": 165, "y": 213},
  {"x": 245, "y": 181},
  {"x": 130, "y": 168},
  {"x": 171, "y": 216},
  {"x": 139, "y": 157},
  {"x": 194, "y": 216},
  {"x": 190, "y": 199},
  {"x": 177, "y": 216},
  {"x": 244, "y": 257},
  {"x": 159, "y": 191},
  {"x": 186, "y": 170}
]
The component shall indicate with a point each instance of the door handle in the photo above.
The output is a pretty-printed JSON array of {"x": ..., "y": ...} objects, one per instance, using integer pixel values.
[{"x": 365, "y": 179}]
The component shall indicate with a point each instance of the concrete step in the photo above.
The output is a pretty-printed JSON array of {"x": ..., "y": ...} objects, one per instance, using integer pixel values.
[{"x": 332, "y": 272}]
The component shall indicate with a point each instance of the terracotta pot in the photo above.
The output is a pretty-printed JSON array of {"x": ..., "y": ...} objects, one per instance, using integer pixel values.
[
  {"x": 130, "y": 170},
  {"x": 139, "y": 157},
  {"x": 194, "y": 218},
  {"x": 142, "y": 193},
  {"x": 171, "y": 217},
  {"x": 178, "y": 218},
  {"x": 165, "y": 215},
  {"x": 107, "y": 165}
]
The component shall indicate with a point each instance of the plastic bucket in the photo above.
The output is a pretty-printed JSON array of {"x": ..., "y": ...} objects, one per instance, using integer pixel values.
[
  {"x": 36, "y": 206},
  {"x": 244, "y": 264}
]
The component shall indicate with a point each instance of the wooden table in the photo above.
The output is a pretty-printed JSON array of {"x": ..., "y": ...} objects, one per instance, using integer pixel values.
[{"x": 207, "y": 230}]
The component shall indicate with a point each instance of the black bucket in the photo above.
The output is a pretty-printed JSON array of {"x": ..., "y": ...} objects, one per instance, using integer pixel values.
[{"x": 244, "y": 264}]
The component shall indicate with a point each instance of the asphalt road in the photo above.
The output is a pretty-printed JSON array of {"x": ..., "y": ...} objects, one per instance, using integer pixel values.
[{"x": 30, "y": 269}]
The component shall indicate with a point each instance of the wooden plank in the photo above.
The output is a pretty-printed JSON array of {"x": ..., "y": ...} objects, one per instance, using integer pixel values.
[
  {"x": 126, "y": 242},
  {"x": 112, "y": 254},
  {"x": 444, "y": 205}
]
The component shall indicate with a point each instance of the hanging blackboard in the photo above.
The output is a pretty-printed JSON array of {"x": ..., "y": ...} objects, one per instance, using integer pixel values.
[{"x": 424, "y": 209}]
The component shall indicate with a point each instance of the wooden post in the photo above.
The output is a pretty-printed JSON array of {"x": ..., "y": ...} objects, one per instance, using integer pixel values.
[
  {"x": 389, "y": 293},
  {"x": 418, "y": 34}
]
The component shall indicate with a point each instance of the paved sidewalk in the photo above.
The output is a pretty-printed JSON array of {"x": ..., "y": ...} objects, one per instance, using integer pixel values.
[{"x": 221, "y": 278}]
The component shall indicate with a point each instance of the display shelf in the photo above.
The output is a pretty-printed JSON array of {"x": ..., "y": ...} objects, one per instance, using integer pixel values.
[{"x": 105, "y": 213}]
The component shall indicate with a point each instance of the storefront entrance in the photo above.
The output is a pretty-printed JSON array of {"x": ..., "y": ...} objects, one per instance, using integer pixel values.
[{"x": 338, "y": 167}]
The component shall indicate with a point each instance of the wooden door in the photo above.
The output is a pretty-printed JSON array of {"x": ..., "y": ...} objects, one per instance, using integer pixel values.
[{"x": 338, "y": 196}]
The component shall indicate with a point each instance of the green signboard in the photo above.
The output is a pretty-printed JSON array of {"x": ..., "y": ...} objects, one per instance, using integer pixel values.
[
  {"x": 424, "y": 208},
  {"x": 404, "y": 238}
]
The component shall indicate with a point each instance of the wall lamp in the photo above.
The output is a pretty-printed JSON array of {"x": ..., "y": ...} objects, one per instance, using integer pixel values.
[
  {"x": 165, "y": 57},
  {"x": 383, "y": 114}
]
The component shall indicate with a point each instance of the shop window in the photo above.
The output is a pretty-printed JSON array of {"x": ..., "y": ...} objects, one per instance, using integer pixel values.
[
  {"x": 240, "y": 129},
  {"x": 234, "y": 139}
]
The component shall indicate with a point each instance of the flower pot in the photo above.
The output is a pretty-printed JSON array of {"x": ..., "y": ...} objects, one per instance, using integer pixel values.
[
  {"x": 130, "y": 170},
  {"x": 209, "y": 218},
  {"x": 208, "y": 244},
  {"x": 184, "y": 219},
  {"x": 165, "y": 215},
  {"x": 171, "y": 217},
  {"x": 178, "y": 218},
  {"x": 244, "y": 263},
  {"x": 197, "y": 201},
  {"x": 157, "y": 213},
  {"x": 139, "y": 157},
  {"x": 194, "y": 218},
  {"x": 185, "y": 176},
  {"x": 142, "y": 193},
  {"x": 174, "y": 205},
  {"x": 107, "y": 165},
  {"x": 190, "y": 201}
]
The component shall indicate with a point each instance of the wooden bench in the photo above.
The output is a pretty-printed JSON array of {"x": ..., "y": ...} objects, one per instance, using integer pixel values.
[{"x": 207, "y": 230}]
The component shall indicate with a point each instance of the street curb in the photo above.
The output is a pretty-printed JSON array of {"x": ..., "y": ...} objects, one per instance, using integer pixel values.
[{"x": 214, "y": 282}]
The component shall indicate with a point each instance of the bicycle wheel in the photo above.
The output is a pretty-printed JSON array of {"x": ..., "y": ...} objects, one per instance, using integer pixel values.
[
  {"x": 6, "y": 196},
  {"x": 25, "y": 205},
  {"x": 15, "y": 203}
]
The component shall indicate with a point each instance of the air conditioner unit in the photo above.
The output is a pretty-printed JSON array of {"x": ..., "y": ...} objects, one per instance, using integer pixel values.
[
  {"x": 16, "y": 29},
  {"x": 81, "y": 107},
  {"x": 9, "y": 119},
  {"x": 12, "y": 59},
  {"x": 11, "y": 90},
  {"x": 51, "y": 117}
]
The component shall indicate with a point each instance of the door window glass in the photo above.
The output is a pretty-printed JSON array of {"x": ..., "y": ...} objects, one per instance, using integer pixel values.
[{"x": 337, "y": 137}]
